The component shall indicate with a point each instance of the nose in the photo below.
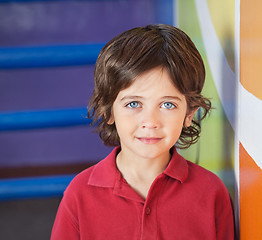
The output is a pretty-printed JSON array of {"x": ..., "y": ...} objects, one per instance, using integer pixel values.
[{"x": 150, "y": 119}]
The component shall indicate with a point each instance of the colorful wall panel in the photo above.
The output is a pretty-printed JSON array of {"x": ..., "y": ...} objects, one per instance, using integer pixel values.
[
  {"x": 229, "y": 37},
  {"x": 250, "y": 118},
  {"x": 215, "y": 41}
]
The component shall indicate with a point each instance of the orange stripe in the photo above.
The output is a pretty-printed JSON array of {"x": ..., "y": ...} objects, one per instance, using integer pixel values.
[
  {"x": 251, "y": 46},
  {"x": 250, "y": 176}
]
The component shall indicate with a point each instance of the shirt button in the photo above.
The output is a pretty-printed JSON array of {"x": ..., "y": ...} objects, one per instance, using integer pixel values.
[{"x": 148, "y": 210}]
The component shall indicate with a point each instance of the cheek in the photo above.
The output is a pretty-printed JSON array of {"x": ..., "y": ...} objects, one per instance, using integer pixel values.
[
  {"x": 174, "y": 125},
  {"x": 176, "y": 130},
  {"x": 175, "y": 119},
  {"x": 122, "y": 114},
  {"x": 122, "y": 121}
]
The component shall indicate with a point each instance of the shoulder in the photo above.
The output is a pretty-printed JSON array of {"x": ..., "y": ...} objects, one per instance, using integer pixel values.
[
  {"x": 210, "y": 193},
  {"x": 205, "y": 179},
  {"x": 84, "y": 176},
  {"x": 199, "y": 171},
  {"x": 102, "y": 174},
  {"x": 80, "y": 181},
  {"x": 207, "y": 189}
]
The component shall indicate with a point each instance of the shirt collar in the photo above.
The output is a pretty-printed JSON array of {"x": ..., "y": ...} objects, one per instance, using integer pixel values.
[
  {"x": 177, "y": 167},
  {"x": 105, "y": 173}
]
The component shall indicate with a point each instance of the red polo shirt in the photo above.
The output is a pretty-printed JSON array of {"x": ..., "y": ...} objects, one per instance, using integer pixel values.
[{"x": 184, "y": 202}]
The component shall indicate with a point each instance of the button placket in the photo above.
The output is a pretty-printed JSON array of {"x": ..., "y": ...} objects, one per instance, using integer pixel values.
[
  {"x": 149, "y": 218},
  {"x": 148, "y": 211}
]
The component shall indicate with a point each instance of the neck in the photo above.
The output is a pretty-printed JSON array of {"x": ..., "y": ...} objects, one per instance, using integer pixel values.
[
  {"x": 142, "y": 169},
  {"x": 140, "y": 172}
]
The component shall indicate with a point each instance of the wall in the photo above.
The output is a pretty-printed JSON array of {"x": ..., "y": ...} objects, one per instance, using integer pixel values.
[
  {"x": 57, "y": 23},
  {"x": 229, "y": 36},
  {"x": 28, "y": 202},
  {"x": 211, "y": 25},
  {"x": 250, "y": 118},
  {"x": 36, "y": 89}
]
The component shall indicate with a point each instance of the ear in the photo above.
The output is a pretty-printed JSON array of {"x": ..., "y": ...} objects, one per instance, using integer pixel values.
[
  {"x": 111, "y": 119},
  {"x": 189, "y": 117}
]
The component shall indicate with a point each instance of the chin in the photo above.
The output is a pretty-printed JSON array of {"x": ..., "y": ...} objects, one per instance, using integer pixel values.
[{"x": 151, "y": 153}]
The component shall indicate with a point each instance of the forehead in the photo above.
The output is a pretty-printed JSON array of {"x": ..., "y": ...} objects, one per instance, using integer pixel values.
[{"x": 155, "y": 82}]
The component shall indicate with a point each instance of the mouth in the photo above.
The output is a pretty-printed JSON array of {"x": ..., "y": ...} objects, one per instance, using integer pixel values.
[{"x": 149, "y": 140}]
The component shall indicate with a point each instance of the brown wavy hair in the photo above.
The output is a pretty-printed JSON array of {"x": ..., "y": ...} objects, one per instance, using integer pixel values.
[{"x": 136, "y": 51}]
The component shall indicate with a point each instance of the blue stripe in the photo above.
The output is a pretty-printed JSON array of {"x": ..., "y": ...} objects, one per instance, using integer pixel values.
[
  {"x": 164, "y": 11},
  {"x": 49, "y": 56},
  {"x": 36, "y": 187},
  {"x": 10, "y": 1},
  {"x": 43, "y": 119}
]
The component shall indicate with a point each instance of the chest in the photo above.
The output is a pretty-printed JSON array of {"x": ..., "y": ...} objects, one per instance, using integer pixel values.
[{"x": 167, "y": 212}]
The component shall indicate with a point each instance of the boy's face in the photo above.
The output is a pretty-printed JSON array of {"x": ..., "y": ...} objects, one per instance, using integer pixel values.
[{"x": 149, "y": 115}]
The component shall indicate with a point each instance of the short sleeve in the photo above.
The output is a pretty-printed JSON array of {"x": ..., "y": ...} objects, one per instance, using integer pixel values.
[
  {"x": 66, "y": 225},
  {"x": 225, "y": 228}
]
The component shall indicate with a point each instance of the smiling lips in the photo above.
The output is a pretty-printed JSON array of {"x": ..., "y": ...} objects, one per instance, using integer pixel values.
[{"x": 149, "y": 140}]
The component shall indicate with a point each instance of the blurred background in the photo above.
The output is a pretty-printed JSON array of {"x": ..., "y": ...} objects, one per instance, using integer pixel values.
[
  {"x": 47, "y": 55},
  {"x": 48, "y": 49}
]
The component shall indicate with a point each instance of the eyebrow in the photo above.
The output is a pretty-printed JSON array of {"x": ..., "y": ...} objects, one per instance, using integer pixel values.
[
  {"x": 139, "y": 97},
  {"x": 172, "y": 98},
  {"x": 130, "y": 97}
]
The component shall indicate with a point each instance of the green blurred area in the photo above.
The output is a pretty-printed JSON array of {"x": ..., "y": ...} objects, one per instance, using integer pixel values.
[{"x": 215, "y": 149}]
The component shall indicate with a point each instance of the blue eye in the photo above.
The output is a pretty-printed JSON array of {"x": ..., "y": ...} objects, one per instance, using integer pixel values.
[
  {"x": 168, "y": 105},
  {"x": 133, "y": 105}
]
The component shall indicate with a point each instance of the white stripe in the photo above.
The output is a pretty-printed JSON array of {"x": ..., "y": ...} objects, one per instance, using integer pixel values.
[
  {"x": 250, "y": 131},
  {"x": 250, "y": 107},
  {"x": 223, "y": 76}
]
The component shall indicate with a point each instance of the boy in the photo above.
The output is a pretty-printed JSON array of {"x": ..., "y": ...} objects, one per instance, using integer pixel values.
[{"x": 148, "y": 84}]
